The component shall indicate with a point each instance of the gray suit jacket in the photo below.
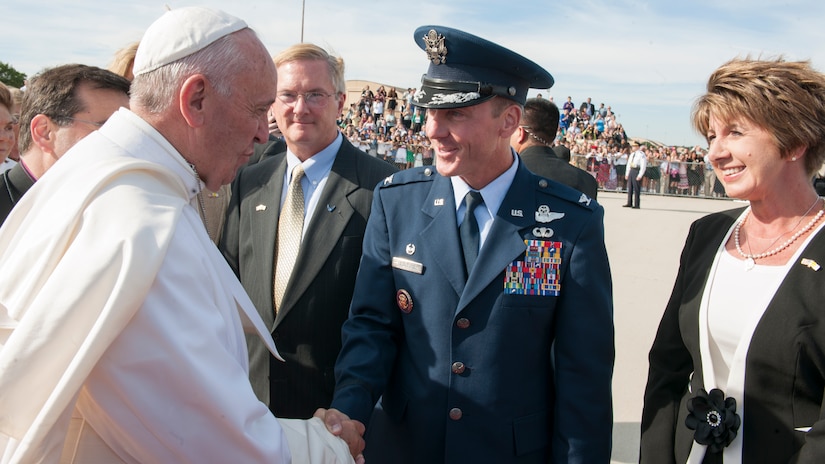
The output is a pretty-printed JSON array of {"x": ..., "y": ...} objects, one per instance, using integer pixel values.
[
  {"x": 543, "y": 161},
  {"x": 307, "y": 330}
]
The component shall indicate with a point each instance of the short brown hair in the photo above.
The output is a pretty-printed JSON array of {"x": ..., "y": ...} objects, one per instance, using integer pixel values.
[
  {"x": 786, "y": 98},
  {"x": 306, "y": 51},
  {"x": 53, "y": 93},
  {"x": 5, "y": 97}
]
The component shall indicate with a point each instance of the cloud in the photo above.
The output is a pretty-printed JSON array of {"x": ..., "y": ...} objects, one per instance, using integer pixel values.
[{"x": 647, "y": 59}]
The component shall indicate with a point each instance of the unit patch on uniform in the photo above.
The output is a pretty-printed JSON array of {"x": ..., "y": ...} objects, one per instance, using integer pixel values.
[
  {"x": 538, "y": 273},
  {"x": 404, "y": 300}
]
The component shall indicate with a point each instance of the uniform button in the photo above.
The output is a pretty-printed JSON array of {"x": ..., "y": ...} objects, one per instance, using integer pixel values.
[
  {"x": 455, "y": 414},
  {"x": 458, "y": 367},
  {"x": 463, "y": 323}
]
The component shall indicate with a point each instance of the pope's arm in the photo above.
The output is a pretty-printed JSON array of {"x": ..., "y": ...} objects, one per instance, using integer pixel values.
[
  {"x": 584, "y": 351},
  {"x": 373, "y": 329},
  {"x": 173, "y": 386}
]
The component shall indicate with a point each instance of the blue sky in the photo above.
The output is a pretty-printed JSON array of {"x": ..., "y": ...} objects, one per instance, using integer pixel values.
[{"x": 649, "y": 60}]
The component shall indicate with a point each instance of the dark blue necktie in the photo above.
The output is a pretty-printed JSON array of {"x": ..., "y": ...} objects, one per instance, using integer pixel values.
[{"x": 468, "y": 230}]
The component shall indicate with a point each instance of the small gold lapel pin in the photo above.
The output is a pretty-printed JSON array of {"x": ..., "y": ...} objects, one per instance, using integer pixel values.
[{"x": 810, "y": 263}]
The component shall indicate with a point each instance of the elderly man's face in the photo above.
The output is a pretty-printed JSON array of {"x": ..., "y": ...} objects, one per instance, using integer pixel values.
[{"x": 238, "y": 121}]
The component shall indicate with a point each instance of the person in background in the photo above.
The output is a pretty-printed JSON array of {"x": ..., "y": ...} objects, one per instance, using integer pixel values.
[
  {"x": 636, "y": 168},
  {"x": 124, "y": 61},
  {"x": 539, "y": 122},
  {"x": 7, "y": 128},
  {"x": 61, "y": 106},
  {"x": 123, "y": 332},
  {"x": 474, "y": 360},
  {"x": 16, "y": 109},
  {"x": 736, "y": 368},
  {"x": 314, "y": 275}
]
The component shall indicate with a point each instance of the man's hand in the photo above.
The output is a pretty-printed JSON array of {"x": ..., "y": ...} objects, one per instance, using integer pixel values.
[{"x": 351, "y": 431}]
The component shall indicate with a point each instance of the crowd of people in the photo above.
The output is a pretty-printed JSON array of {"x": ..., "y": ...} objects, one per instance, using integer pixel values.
[{"x": 387, "y": 125}]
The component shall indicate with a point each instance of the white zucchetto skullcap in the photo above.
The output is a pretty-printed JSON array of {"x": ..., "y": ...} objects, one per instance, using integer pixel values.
[{"x": 180, "y": 33}]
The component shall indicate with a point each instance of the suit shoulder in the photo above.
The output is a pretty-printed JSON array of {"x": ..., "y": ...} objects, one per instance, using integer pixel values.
[
  {"x": 377, "y": 165},
  {"x": 409, "y": 177},
  {"x": 564, "y": 192}
]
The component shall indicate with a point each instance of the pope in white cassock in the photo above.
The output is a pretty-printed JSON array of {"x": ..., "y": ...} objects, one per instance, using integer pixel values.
[{"x": 121, "y": 325}]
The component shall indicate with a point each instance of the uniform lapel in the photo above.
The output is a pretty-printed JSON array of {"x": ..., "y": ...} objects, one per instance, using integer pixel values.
[
  {"x": 441, "y": 234},
  {"x": 504, "y": 243},
  {"x": 324, "y": 231}
]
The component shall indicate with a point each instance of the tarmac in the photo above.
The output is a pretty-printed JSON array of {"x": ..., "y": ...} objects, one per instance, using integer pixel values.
[{"x": 643, "y": 247}]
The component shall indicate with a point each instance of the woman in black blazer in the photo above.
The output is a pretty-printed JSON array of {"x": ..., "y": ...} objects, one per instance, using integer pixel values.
[{"x": 737, "y": 369}]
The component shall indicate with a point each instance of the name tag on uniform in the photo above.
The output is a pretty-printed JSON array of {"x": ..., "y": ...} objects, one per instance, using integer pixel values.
[
  {"x": 538, "y": 273},
  {"x": 407, "y": 265}
]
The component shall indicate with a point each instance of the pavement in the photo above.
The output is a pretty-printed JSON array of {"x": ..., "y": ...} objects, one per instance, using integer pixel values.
[{"x": 643, "y": 246}]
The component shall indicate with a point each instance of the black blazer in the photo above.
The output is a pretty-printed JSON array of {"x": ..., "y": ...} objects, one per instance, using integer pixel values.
[
  {"x": 544, "y": 162},
  {"x": 785, "y": 367},
  {"x": 307, "y": 330},
  {"x": 15, "y": 182}
]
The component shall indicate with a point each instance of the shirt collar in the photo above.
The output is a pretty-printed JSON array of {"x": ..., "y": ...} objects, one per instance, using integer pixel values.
[
  {"x": 318, "y": 165},
  {"x": 492, "y": 193}
]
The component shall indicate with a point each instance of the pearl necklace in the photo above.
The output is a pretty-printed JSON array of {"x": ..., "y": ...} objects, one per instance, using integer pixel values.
[{"x": 750, "y": 259}]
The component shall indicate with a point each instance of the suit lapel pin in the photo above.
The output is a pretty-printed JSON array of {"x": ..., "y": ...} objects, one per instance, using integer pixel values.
[
  {"x": 330, "y": 208},
  {"x": 516, "y": 213},
  {"x": 410, "y": 249},
  {"x": 584, "y": 199},
  {"x": 260, "y": 208},
  {"x": 438, "y": 202},
  {"x": 544, "y": 215},
  {"x": 810, "y": 263}
]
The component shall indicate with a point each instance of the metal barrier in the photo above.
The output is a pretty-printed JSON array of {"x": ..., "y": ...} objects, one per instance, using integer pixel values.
[{"x": 687, "y": 179}]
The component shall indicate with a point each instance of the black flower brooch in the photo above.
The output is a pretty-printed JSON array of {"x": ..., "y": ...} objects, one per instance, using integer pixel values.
[{"x": 713, "y": 418}]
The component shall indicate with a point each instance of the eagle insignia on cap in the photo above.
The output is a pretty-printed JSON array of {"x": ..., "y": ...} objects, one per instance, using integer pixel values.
[{"x": 435, "y": 48}]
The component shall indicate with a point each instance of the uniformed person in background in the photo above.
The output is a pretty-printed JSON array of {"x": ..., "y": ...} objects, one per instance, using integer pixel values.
[{"x": 489, "y": 333}]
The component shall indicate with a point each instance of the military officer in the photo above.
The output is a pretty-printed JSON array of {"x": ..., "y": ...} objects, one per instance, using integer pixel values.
[{"x": 482, "y": 313}]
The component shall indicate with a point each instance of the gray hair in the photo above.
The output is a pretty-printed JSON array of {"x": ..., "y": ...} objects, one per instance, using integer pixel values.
[{"x": 219, "y": 62}]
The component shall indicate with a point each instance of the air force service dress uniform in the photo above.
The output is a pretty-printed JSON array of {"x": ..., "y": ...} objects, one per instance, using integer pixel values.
[{"x": 511, "y": 363}]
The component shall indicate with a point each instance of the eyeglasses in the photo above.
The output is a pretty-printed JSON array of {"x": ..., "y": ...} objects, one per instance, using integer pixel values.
[
  {"x": 96, "y": 124},
  {"x": 313, "y": 99}
]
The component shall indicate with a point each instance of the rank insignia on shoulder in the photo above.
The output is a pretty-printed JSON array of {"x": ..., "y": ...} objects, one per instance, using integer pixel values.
[
  {"x": 584, "y": 199},
  {"x": 388, "y": 180}
]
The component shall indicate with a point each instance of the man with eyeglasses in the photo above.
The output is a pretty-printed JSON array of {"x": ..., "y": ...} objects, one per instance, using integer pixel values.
[
  {"x": 300, "y": 272},
  {"x": 60, "y": 106}
]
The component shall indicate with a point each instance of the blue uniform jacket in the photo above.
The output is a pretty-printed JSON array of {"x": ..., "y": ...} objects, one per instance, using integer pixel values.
[{"x": 469, "y": 371}]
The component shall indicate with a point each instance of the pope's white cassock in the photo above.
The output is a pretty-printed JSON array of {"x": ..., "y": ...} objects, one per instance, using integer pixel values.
[{"x": 121, "y": 325}]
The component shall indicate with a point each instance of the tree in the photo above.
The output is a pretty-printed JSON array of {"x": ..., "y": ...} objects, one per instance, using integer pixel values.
[{"x": 11, "y": 76}]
